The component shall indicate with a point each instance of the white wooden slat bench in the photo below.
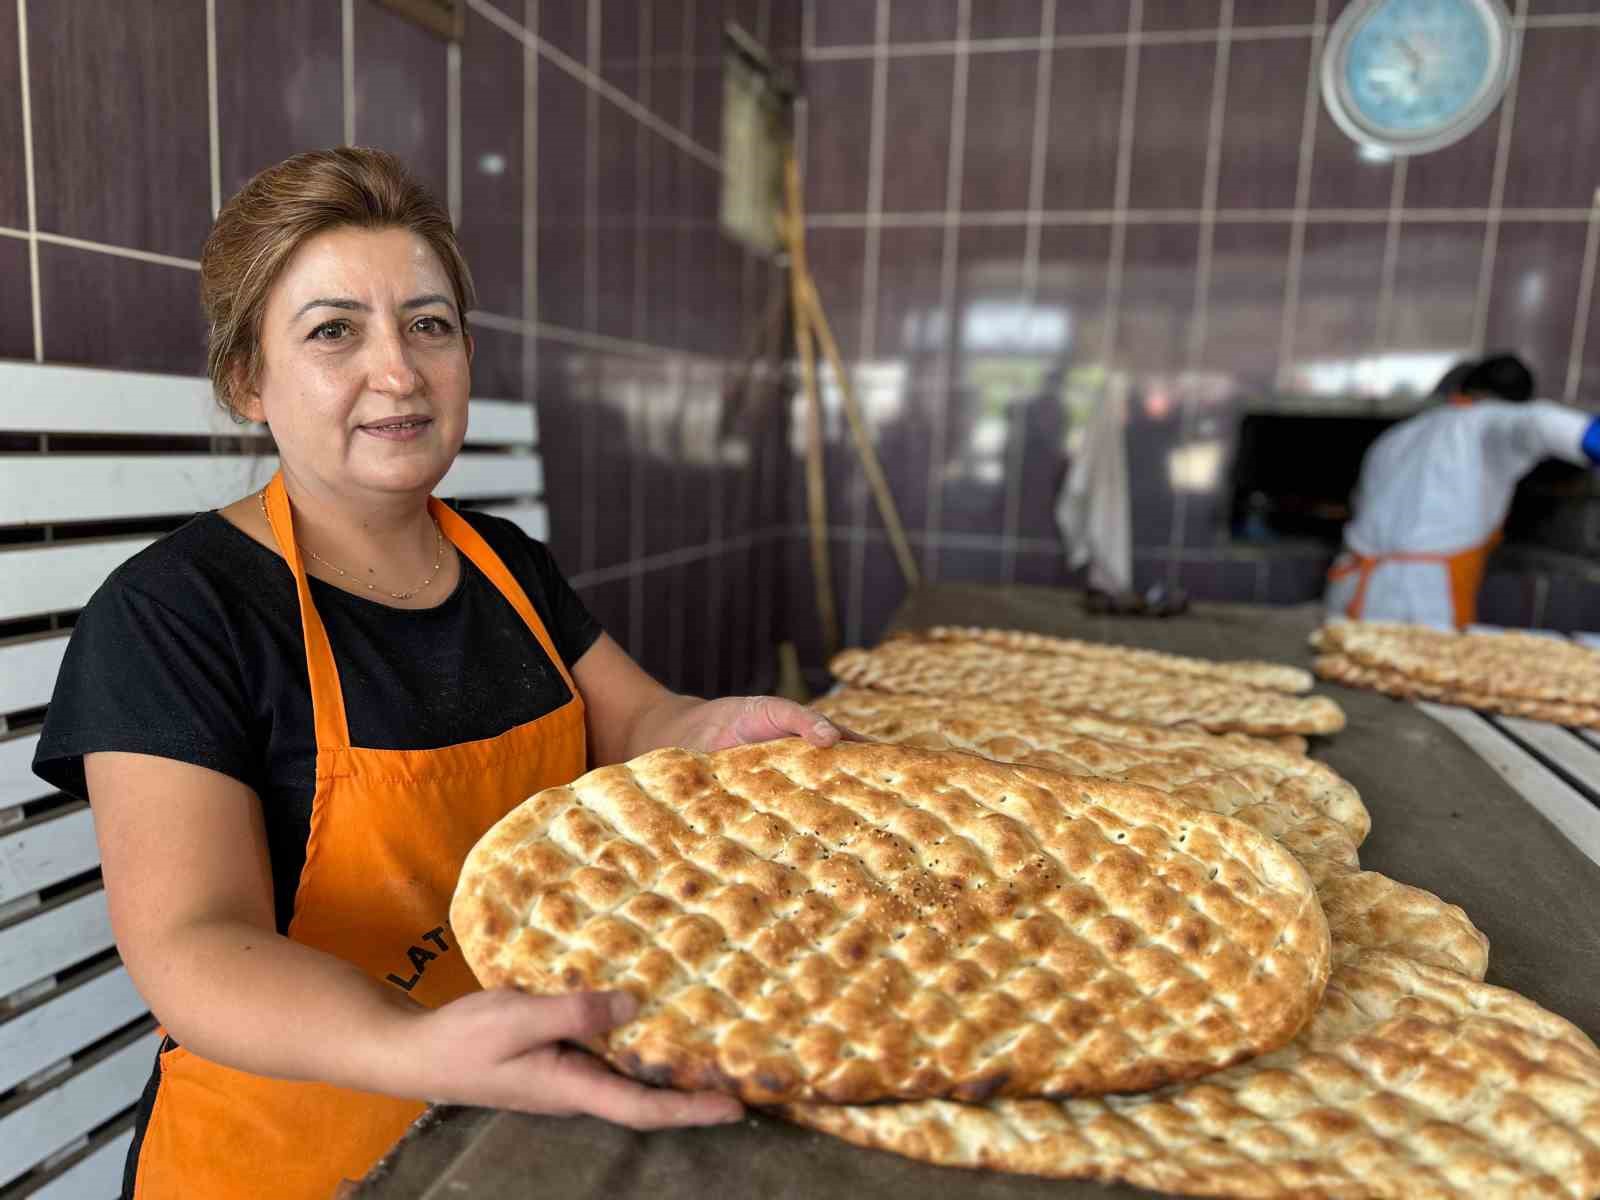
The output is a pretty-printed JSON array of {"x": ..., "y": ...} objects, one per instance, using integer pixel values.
[
  {"x": 94, "y": 466},
  {"x": 1555, "y": 769}
]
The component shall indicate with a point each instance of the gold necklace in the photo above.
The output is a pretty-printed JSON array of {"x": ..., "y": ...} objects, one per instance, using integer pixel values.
[{"x": 372, "y": 587}]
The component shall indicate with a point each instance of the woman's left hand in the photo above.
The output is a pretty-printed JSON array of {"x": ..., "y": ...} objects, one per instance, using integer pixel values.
[{"x": 739, "y": 720}]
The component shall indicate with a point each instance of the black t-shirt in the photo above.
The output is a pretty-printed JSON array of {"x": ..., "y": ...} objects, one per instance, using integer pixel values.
[{"x": 192, "y": 650}]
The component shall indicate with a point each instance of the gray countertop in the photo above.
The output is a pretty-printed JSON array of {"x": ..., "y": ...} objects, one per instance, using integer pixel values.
[{"x": 1442, "y": 819}]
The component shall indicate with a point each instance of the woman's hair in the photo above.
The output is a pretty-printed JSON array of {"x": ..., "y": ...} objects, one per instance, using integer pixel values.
[{"x": 261, "y": 227}]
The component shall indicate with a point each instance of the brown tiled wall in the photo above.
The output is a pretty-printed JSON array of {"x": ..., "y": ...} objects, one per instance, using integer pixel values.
[
  {"x": 586, "y": 164},
  {"x": 1162, "y": 177}
]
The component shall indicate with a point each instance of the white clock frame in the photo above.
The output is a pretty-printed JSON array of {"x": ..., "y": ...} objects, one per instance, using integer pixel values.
[{"x": 1503, "y": 52}]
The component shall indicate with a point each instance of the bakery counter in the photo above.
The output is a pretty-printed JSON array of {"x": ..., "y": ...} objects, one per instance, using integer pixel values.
[{"x": 1443, "y": 818}]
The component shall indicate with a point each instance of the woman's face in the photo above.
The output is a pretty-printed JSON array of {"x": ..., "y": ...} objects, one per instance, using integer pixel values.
[{"x": 365, "y": 376}]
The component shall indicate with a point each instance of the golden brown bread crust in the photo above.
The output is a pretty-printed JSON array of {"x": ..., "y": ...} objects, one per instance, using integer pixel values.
[
  {"x": 1303, "y": 804},
  {"x": 1189, "y": 763},
  {"x": 1369, "y": 911},
  {"x": 1409, "y": 1082},
  {"x": 1517, "y": 666},
  {"x": 977, "y": 670},
  {"x": 1340, "y": 668},
  {"x": 876, "y": 921},
  {"x": 1268, "y": 675}
]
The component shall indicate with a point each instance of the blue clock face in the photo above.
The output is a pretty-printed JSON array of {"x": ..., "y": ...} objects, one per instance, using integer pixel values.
[
  {"x": 1412, "y": 69},
  {"x": 1417, "y": 64}
]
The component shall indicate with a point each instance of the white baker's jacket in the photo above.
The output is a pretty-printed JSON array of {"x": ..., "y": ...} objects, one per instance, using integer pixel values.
[{"x": 1440, "y": 483}]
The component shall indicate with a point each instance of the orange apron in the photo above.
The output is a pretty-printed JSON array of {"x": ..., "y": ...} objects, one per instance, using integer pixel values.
[
  {"x": 1466, "y": 569},
  {"x": 389, "y": 832}
]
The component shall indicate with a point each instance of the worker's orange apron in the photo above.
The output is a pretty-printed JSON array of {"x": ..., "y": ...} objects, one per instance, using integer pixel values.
[
  {"x": 1466, "y": 569},
  {"x": 389, "y": 832}
]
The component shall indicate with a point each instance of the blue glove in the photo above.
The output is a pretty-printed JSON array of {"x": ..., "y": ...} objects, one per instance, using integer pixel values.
[{"x": 1591, "y": 441}]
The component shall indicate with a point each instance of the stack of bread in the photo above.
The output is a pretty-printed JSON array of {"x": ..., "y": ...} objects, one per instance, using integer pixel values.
[
  {"x": 1016, "y": 937},
  {"x": 1518, "y": 674},
  {"x": 1257, "y": 698}
]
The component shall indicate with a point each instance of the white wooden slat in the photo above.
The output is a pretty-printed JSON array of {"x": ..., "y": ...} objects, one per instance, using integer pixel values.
[
  {"x": 533, "y": 519},
  {"x": 28, "y": 669},
  {"x": 46, "y": 850},
  {"x": 41, "y": 399},
  {"x": 18, "y": 783},
  {"x": 500, "y": 423},
  {"x": 43, "y": 488},
  {"x": 1544, "y": 633},
  {"x": 55, "y": 577},
  {"x": 43, "y": 1126},
  {"x": 490, "y": 475},
  {"x": 1566, "y": 808},
  {"x": 97, "y": 1176},
  {"x": 1578, "y": 759},
  {"x": 50, "y": 939},
  {"x": 61, "y": 1026},
  {"x": 35, "y": 398}
]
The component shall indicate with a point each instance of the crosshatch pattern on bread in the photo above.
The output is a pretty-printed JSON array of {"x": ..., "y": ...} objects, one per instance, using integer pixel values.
[
  {"x": 981, "y": 671},
  {"x": 1300, "y": 802},
  {"x": 1410, "y": 1081},
  {"x": 1518, "y": 666},
  {"x": 870, "y": 922},
  {"x": 1252, "y": 673},
  {"x": 1341, "y": 668}
]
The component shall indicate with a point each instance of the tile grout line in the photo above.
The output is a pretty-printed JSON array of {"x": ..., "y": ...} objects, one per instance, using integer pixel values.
[
  {"x": 1198, "y": 325},
  {"x": 1119, "y": 229},
  {"x": 594, "y": 82},
  {"x": 27, "y": 166},
  {"x": 1391, "y": 250},
  {"x": 1316, "y": 28},
  {"x": 678, "y": 628},
  {"x": 530, "y": 206},
  {"x": 213, "y": 130},
  {"x": 950, "y": 250},
  {"x": 1580, "y": 320},
  {"x": 641, "y": 166},
  {"x": 347, "y": 67},
  {"x": 937, "y": 218},
  {"x": 588, "y": 432},
  {"x": 1016, "y": 452},
  {"x": 855, "y": 602},
  {"x": 452, "y": 124},
  {"x": 1302, "y": 198},
  {"x": 149, "y": 256},
  {"x": 1497, "y": 192}
]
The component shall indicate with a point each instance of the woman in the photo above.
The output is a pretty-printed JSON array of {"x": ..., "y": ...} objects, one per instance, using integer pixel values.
[{"x": 295, "y": 715}]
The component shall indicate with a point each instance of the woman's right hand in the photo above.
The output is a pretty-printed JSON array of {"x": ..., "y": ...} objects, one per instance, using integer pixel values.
[{"x": 503, "y": 1049}]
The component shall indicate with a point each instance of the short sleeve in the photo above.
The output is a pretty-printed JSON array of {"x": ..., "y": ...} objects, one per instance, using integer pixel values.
[
  {"x": 572, "y": 628},
  {"x": 571, "y": 625},
  {"x": 144, "y": 677}
]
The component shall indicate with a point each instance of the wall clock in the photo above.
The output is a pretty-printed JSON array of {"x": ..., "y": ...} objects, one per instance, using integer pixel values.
[{"x": 1409, "y": 76}]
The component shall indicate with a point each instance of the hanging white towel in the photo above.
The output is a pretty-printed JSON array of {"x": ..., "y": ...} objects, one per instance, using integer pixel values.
[{"x": 1092, "y": 511}]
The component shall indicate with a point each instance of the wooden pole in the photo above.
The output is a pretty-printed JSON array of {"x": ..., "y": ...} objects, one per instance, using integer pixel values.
[
  {"x": 816, "y": 492},
  {"x": 858, "y": 434}
]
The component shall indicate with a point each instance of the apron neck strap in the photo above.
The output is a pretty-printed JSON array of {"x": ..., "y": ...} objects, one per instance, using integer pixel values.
[
  {"x": 327, "y": 698},
  {"x": 467, "y": 540}
]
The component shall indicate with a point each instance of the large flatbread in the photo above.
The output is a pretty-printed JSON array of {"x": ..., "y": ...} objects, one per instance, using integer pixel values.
[
  {"x": 1300, "y": 802},
  {"x": 1522, "y": 666},
  {"x": 1271, "y": 676},
  {"x": 1410, "y": 1081},
  {"x": 875, "y": 921},
  {"x": 980, "y": 671},
  {"x": 1340, "y": 668}
]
